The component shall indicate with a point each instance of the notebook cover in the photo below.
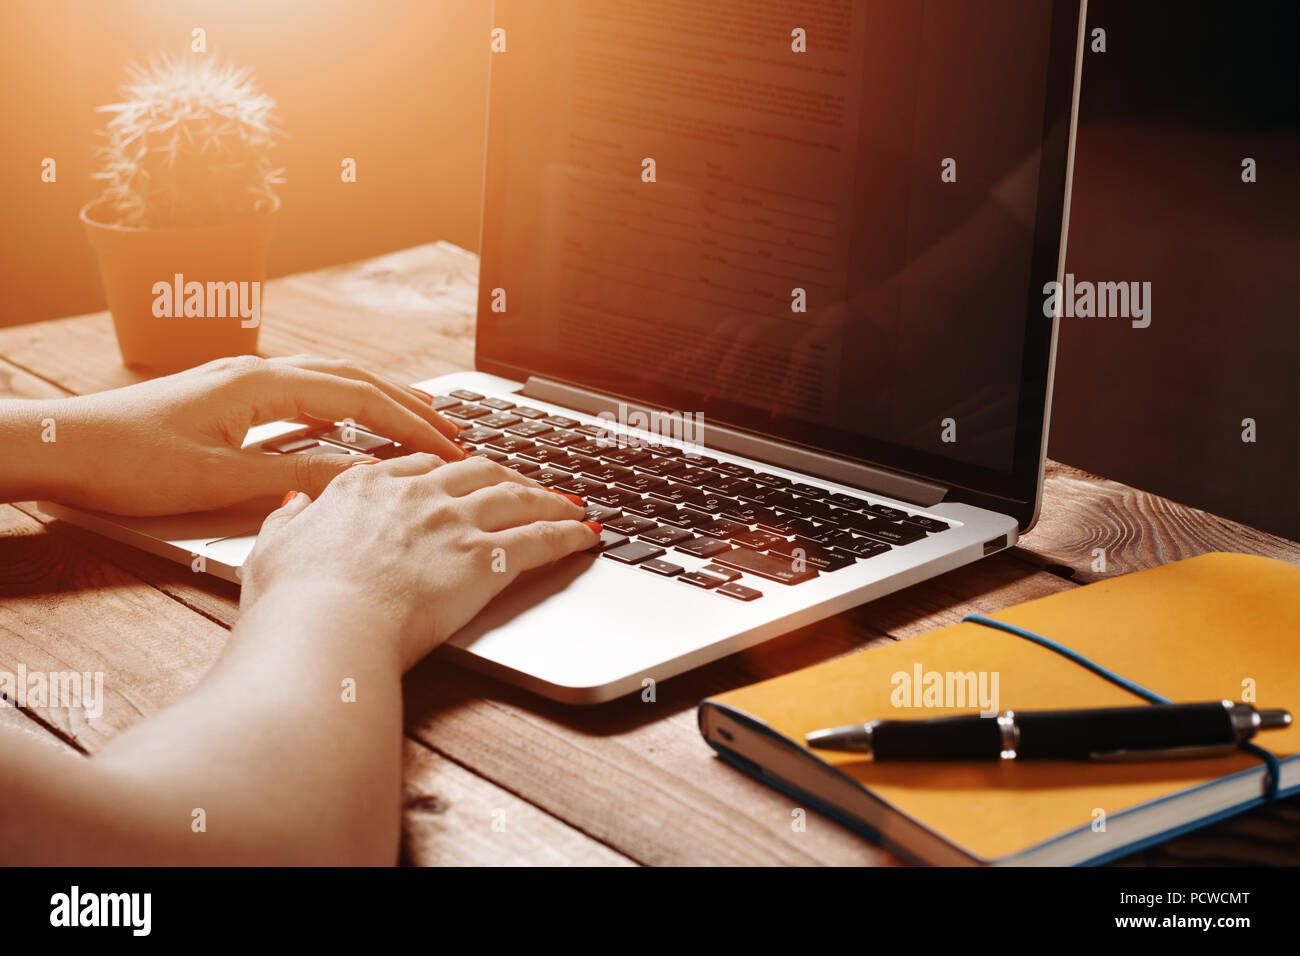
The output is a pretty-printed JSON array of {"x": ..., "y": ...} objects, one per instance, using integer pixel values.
[{"x": 1210, "y": 627}]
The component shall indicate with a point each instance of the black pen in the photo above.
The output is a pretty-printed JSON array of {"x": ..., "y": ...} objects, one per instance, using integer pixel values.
[{"x": 1144, "y": 732}]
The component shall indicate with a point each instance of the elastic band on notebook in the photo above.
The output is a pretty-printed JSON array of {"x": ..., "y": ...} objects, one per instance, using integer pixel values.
[{"x": 1270, "y": 760}]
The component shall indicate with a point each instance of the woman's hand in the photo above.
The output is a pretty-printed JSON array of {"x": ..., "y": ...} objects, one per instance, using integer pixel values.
[
  {"x": 172, "y": 445},
  {"x": 420, "y": 545}
]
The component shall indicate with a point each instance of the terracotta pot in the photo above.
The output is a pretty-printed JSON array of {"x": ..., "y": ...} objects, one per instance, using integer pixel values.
[{"x": 136, "y": 264}]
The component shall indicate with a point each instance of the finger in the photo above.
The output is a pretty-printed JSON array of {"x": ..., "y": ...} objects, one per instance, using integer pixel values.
[
  {"x": 295, "y": 502},
  {"x": 408, "y": 466},
  {"x": 306, "y": 392},
  {"x": 410, "y": 398},
  {"x": 463, "y": 477},
  {"x": 257, "y": 473},
  {"x": 533, "y": 545},
  {"x": 510, "y": 505}
]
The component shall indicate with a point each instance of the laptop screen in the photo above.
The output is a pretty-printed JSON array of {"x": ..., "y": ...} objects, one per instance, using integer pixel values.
[{"x": 827, "y": 221}]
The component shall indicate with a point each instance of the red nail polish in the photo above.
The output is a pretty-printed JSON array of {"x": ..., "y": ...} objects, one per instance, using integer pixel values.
[
  {"x": 424, "y": 395},
  {"x": 364, "y": 461},
  {"x": 594, "y": 526},
  {"x": 289, "y": 496}
]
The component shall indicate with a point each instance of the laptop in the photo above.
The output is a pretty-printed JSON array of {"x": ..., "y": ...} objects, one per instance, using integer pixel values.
[{"x": 765, "y": 285}]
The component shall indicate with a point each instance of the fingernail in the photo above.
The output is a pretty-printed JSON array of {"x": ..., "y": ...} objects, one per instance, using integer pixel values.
[
  {"x": 594, "y": 526},
  {"x": 424, "y": 395},
  {"x": 364, "y": 461},
  {"x": 464, "y": 453},
  {"x": 288, "y": 497},
  {"x": 564, "y": 494}
]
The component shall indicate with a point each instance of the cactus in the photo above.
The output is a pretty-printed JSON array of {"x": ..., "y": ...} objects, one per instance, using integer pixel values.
[{"x": 189, "y": 146}]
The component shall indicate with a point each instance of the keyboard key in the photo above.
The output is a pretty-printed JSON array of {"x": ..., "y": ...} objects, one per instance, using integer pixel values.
[
  {"x": 489, "y": 454},
  {"x": 710, "y": 503},
  {"x": 500, "y": 404},
  {"x": 822, "y": 511},
  {"x": 641, "y": 483},
  {"x": 581, "y": 487},
  {"x": 350, "y": 437},
  {"x": 731, "y": 468},
  {"x": 666, "y": 536},
  {"x": 858, "y": 547},
  {"x": 529, "y": 429},
  {"x": 704, "y": 547},
  {"x": 560, "y": 439},
  {"x": 570, "y": 463},
  {"x": 758, "y": 540},
  {"x": 608, "y": 539},
  {"x": 721, "y": 528},
  {"x": 524, "y": 468},
  {"x": 443, "y": 402},
  {"x": 598, "y": 513},
  {"x": 592, "y": 447},
  {"x": 499, "y": 420},
  {"x": 700, "y": 580},
  {"x": 465, "y": 395},
  {"x": 549, "y": 477},
  {"x": 823, "y": 559},
  {"x": 675, "y": 493},
  {"x": 631, "y": 525},
  {"x": 846, "y": 501},
  {"x": 650, "y": 508},
  {"x": 744, "y": 513},
  {"x": 468, "y": 412},
  {"x": 625, "y": 456},
  {"x": 292, "y": 445},
  {"x": 770, "y": 566},
  {"x": 510, "y": 444},
  {"x": 666, "y": 568},
  {"x": 778, "y": 523},
  {"x": 811, "y": 491},
  {"x": 693, "y": 476},
  {"x": 544, "y": 455},
  {"x": 725, "y": 484},
  {"x": 738, "y": 591},
  {"x": 477, "y": 434},
  {"x": 718, "y": 571},
  {"x": 884, "y": 511},
  {"x": 559, "y": 421},
  {"x": 524, "y": 411},
  {"x": 767, "y": 478},
  {"x": 591, "y": 431},
  {"x": 692, "y": 458},
  {"x": 932, "y": 525},
  {"x": 886, "y": 531},
  {"x": 613, "y": 497},
  {"x": 633, "y": 552},
  {"x": 660, "y": 466}
]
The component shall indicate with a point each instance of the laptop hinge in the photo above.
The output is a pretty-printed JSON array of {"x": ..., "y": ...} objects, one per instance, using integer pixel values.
[{"x": 885, "y": 483}]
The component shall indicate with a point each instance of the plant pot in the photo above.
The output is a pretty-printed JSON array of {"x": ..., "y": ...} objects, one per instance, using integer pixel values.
[{"x": 157, "y": 330}]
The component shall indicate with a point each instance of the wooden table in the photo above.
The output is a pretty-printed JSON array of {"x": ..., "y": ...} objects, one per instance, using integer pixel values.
[{"x": 494, "y": 775}]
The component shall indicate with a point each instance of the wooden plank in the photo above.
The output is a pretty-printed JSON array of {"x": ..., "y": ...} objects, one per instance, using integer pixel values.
[
  {"x": 452, "y": 817},
  {"x": 1131, "y": 528}
]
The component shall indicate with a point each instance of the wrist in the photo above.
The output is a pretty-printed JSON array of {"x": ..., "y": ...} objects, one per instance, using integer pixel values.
[
  {"x": 325, "y": 616},
  {"x": 34, "y": 434}
]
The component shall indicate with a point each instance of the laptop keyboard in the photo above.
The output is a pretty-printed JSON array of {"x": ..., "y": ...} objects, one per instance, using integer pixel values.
[{"x": 655, "y": 501}]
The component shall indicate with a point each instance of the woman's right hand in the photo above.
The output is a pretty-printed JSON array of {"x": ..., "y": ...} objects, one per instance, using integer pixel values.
[{"x": 414, "y": 542}]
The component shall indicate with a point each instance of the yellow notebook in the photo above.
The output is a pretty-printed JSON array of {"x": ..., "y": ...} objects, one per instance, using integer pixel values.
[{"x": 1218, "y": 626}]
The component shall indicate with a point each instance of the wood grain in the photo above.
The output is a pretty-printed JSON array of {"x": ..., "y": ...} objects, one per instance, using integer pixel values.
[{"x": 631, "y": 781}]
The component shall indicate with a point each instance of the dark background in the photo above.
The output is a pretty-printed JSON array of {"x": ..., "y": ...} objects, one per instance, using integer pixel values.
[{"x": 1183, "y": 93}]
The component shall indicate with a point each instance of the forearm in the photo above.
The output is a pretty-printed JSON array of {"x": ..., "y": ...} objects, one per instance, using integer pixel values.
[{"x": 289, "y": 751}]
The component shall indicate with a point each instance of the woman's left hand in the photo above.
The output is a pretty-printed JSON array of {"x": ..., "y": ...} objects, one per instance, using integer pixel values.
[{"x": 172, "y": 445}]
